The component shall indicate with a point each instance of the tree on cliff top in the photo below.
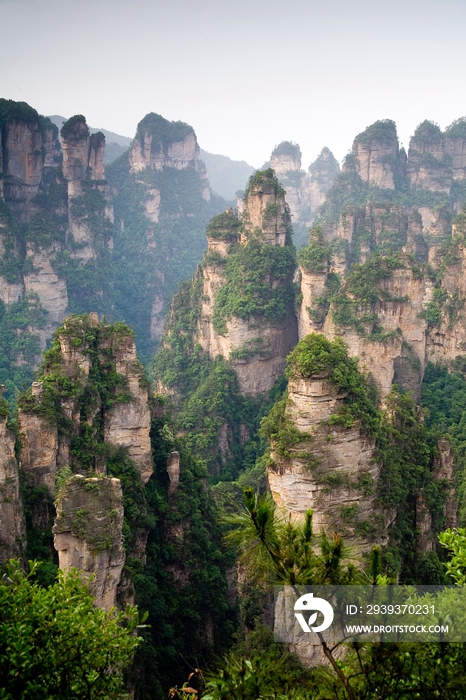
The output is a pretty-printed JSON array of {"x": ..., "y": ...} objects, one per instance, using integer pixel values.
[{"x": 56, "y": 645}]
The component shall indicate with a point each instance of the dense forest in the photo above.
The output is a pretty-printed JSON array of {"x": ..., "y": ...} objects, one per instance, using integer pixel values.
[{"x": 197, "y": 412}]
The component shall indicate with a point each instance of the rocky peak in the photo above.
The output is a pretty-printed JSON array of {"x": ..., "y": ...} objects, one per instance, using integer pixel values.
[
  {"x": 322, "y": 172},
  {"x": 455, "y": 146},
  {"x": 222, "y": 231},
  {"x": 160, "y": 144},
  {"x": 12, "y": 523},
  {"x": 88, "y": 533},
  {"x": 429, "y": 165},
  {"x": 285, "y": 157},
  {"x": 83, "y": 152},
  {"x": 91, "y": 393},
  {"x": 318, "y": 461},
  {"x": 376, "y": 155},
  {"x": 27, "y": 142},
  {"x": 265, "y": 214}
]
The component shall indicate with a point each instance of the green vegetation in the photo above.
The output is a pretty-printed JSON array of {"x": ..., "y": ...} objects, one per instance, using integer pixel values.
[
  {"x": 224, "y": 226},
  {"x": 163, "y": 132},
  {"x": 315, "y": 257},
  {"x": 382, "y": 131},
  {"x": 287, "y": 148},
  {"x": 457, "y": 129},
  {"x": 404, "y": 445},
  {"x": 90, "y": 396},
  {"x": 55, "y": 643},
  {"x": 257, "y": 285},
  {"x": 151, "y": 259},
  {"x": 316, "y": 356},
  {"x": 427, "y": 133},
  {"x": 264, "y": 179},
  {"x": 69, "y": 127},
  {"x": 20, "y": 111},
  {"x": 19, "y": 347}
]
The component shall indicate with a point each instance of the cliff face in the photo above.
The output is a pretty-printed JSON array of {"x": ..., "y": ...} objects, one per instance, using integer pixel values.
[
  {"x": 66, "y": 419},
  {"x": 305, "y": 192},
  {"x": 162, "y": 244},
  {"x": 88, "y": 533},
  {"x": 385, "y": 274},
  {"x": 332, "y": 470},
  {"x": 58, "y": 251},
  {"x": 55, "y": 227},
  {"x": 436, "y": 160},
  {"x": 12, "y": 523},
  {"x": 257, "y": 346},
  {"x": 376, "y": 156}
]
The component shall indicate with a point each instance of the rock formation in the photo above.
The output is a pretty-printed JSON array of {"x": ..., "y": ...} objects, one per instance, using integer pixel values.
[
  {"x": 332, "y": 470},
  {"x": 88, "y": 533},
  {"x": 91, "y": 392},
  {"x": 165, "y": 175},
  {"x": 376, "y": 156},
  {"x": 12, "y": 523},
  {"x": 256, "y": 346},
  {"x": 305, "y": 192}
]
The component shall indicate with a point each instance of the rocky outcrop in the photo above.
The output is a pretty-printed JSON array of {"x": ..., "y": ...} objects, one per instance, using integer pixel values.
[
  {"x": 173, "y": 470},
  {"x": 90, "y": 212},
  {"x": 376, "y": 155},
  {"x": 88, "y": 533},
  {"x": 99, "y": 395},
  {"x": 128, "y": 424},
  {"x": 12, "y": 523},
  {"x": 322, "y": 172},
  {"x": 256, "y": 348},
  {"x": 305, "y": 192},
  {"x": 265, "y": 211},
  {"x": 332, "y": 470}
]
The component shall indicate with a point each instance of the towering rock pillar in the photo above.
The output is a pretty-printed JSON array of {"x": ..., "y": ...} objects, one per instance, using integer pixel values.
[
  {"x": 90, "y": 213},
  {"x": 12, "y": 523},
  {"x": 88, "y": 533},
  {"x": 247, "y": 311}
]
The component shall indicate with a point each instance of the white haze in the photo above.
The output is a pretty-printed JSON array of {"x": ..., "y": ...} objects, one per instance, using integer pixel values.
[{"x": 246, "y": 74}]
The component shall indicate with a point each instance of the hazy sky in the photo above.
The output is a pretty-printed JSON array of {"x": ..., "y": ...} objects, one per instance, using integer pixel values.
[{"x": 246, "y": 74}]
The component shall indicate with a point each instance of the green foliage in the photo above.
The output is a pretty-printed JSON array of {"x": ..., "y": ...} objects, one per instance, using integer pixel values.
[
  {"x": 224, "y": 226},
  {"x": 316, "y": 356},
  {"x": 19, "y": 346},
  {"x": 353, "y": 304},
  {"x": 89, "y": 395},
  {"x": 264, "y": 180},
  {"x": 182, "y": 585},
  {"x": 282, "y": 552},
  {"x": 18, "y": 111},
  {"x": 427, "y": 133},
  {"x": 280, "y": 430},
  {"x": 382, "y": 131},
  {"x": 69, "y": 127},
  {"x": 315, "y": 257},
  {"x": 265, "y": 672},
  {"x": 455, "y": 542},
  {"x": 43, "y": 232},
  {"x": 433, "y": 312},
  {"x": 257, "y": 285},
  {"x": 55, "y": 643},
  {"x": 146, "y": 276},
  {"x": 163, "y": 132},
  {"x": 444, "y": 402},
  {"x": 11, "y": 237},
  {"x": 457, "y": 129},
  {"x": 287, "y": 148}
]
